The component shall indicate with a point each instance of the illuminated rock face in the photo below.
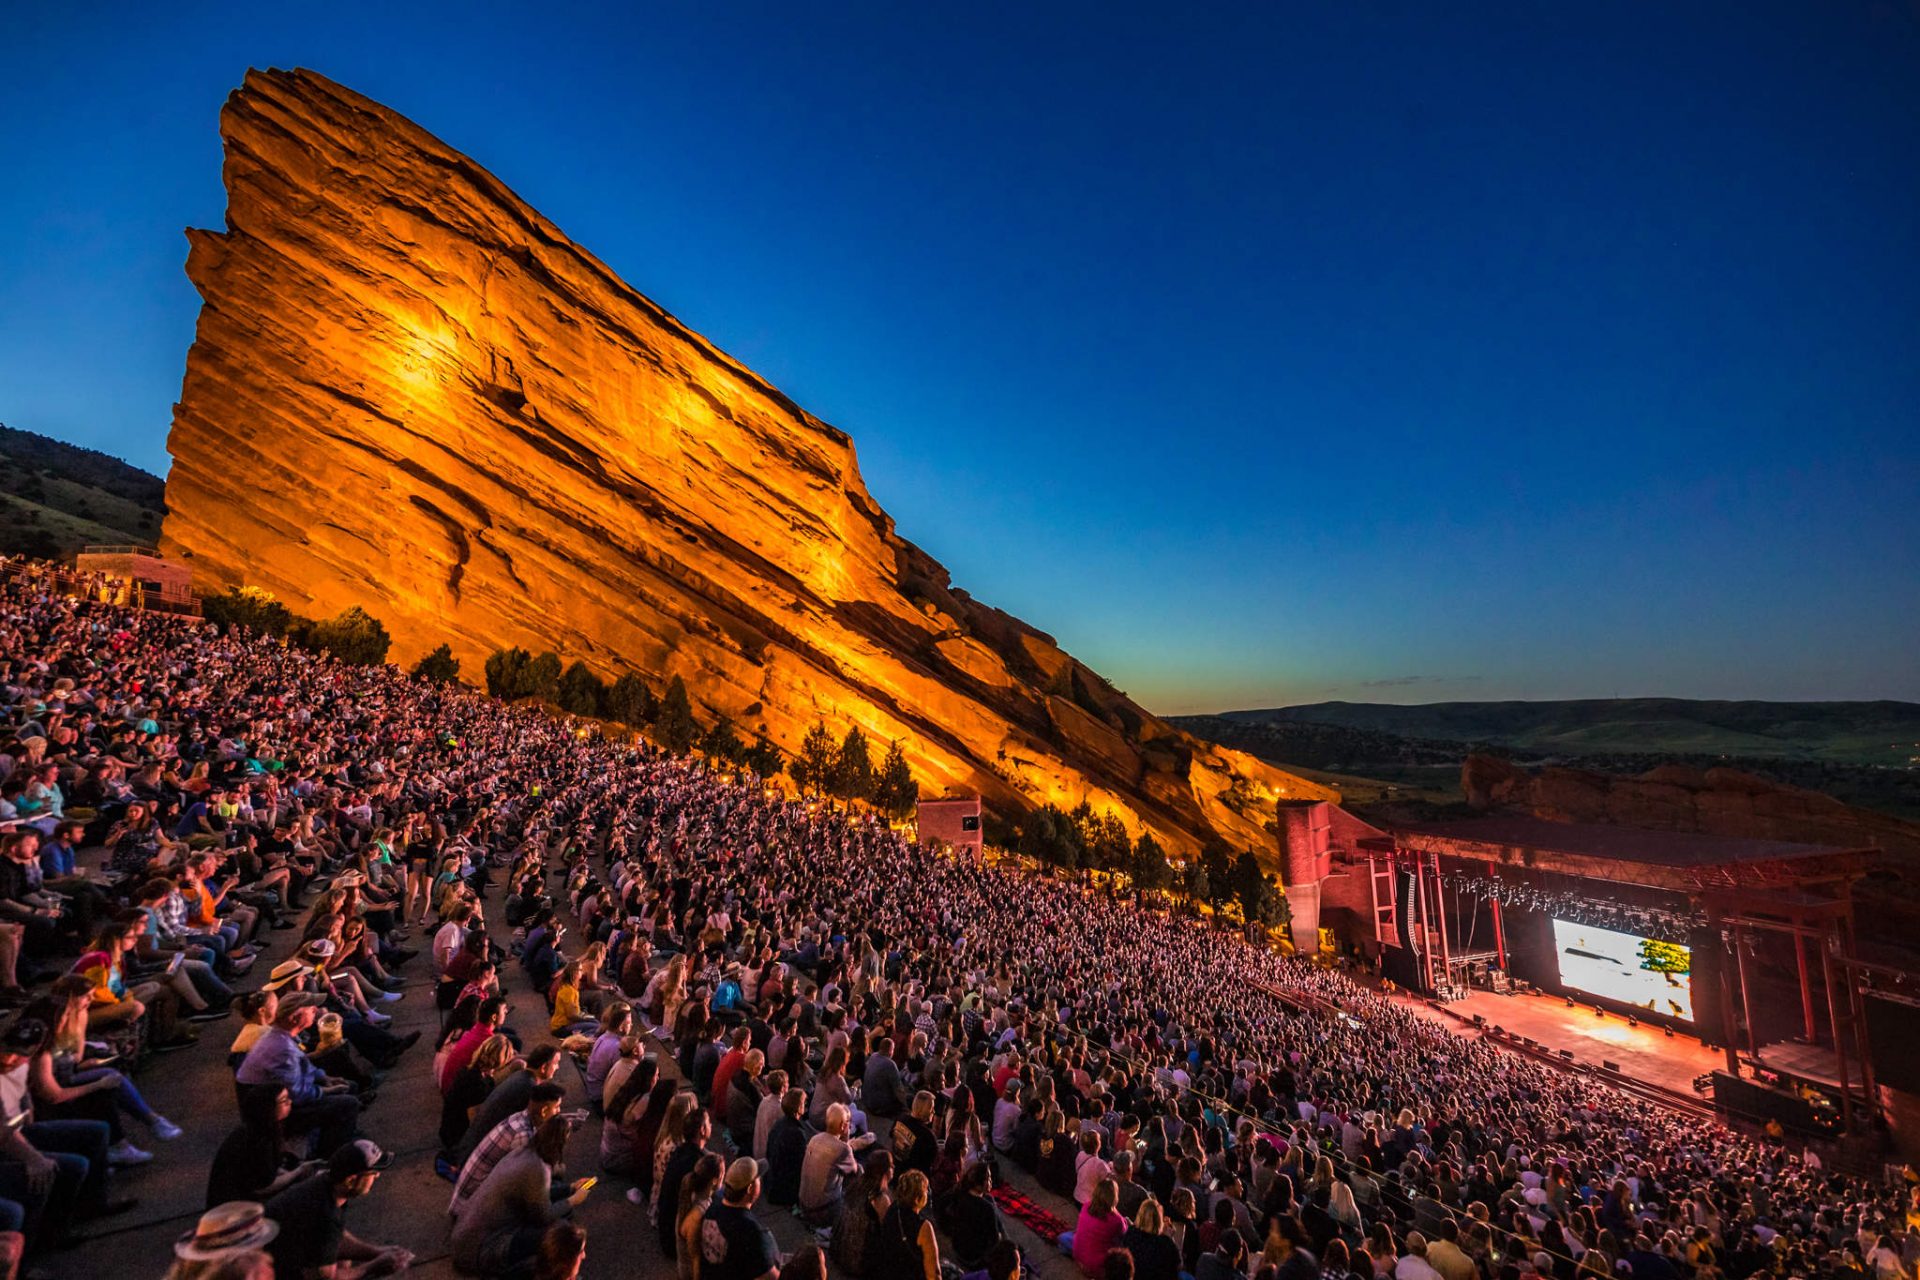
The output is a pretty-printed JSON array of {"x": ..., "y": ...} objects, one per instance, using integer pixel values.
[{"x": 411, "y": 392}]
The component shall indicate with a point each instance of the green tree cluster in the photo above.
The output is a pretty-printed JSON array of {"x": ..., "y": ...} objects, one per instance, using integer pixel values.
[
  {"x": 352, "y": 635},
  {"x": 845, "y": 770},
  {"x": 249, "y": 607},
  {"x": 515, "y": 673},
  {"x": 674, "y": 726},
  {"x": 440, "y": 666}
]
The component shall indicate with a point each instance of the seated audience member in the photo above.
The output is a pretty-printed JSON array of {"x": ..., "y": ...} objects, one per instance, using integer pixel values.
[
  {"x": 322, "y": 1105},
  {"x": 313, "y": 1240},
  {"x": 499, "y": 1229}
]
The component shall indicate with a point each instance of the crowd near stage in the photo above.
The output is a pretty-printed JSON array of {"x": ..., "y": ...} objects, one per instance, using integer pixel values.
[{"x": 1707, "y": 968}]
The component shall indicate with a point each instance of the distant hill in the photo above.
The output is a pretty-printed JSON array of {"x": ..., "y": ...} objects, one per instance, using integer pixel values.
[
  {"x": 1872, "y": 733},
  {"x": 56, "y": 498}
]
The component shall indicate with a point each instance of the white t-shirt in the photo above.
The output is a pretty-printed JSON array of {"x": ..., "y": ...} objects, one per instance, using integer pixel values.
[
  {"x": 16, "y": 1097},
  {"x": 446, "y": 944}
]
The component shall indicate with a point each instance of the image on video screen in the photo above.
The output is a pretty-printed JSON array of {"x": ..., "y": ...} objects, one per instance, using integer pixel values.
[{"x": 1656, "y": 976}]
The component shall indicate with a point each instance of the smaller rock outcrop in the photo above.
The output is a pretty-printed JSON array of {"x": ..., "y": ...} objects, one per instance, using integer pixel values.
[{"x": 1721, "y": 802}]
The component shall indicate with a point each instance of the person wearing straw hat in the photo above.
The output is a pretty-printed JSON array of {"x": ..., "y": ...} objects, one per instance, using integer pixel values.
[{"x": 225, "y": 1235}]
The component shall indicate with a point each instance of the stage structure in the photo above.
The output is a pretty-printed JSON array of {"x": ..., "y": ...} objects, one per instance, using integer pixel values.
[{"x": 1747, "y": 945}]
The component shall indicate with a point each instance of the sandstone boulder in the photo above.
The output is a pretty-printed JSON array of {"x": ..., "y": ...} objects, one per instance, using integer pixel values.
[{"x": 409, "y": 391}]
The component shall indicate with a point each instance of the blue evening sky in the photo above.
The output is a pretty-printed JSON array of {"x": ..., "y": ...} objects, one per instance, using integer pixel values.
[{"x": 1262, "y": 353}]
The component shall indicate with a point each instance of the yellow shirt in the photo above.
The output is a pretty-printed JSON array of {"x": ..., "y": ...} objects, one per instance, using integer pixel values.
[{"x": 566, "y": 1009}]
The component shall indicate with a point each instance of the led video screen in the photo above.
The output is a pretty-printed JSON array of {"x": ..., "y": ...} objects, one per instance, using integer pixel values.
[{"x": 1657, "y": 976}]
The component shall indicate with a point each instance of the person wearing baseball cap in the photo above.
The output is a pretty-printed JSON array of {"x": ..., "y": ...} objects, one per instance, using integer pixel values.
[
  {"x": 744, "y": 1247},
  {"x": 312, "y": 1218}
]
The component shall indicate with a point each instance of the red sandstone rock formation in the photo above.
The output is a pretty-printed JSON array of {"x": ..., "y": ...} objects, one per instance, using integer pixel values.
[
  {"x": 1723, "y": 802},
  {"x": 409, "y": 391}
]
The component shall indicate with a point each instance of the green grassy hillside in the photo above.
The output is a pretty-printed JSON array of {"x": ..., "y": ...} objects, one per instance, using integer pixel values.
[
  {"x": 56, "y": 498},
  {"x": 1873, "y": 733}
]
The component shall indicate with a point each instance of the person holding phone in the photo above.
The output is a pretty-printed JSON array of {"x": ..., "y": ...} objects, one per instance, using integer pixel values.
[
  {"x": 55, "y": 1169},
  {"x": 118, "y": 1002},
  {"x": 501, "y": 1227}
]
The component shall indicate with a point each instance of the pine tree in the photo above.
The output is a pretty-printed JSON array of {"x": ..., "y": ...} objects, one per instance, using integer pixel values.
[
  {"x": 1247, "y": 884},
  {"x": 722, "y": 743},
  {"x": 352, "y": 635},
  {"x": 440, "y": 666},
  {"x": 580, "y": 691},
  {"x": 1195, "y": 884},
  {"x": 764, "y": 758},
  {"x": 1050, "y": 835},
  {"x": 507, "y": 673},
  {"x": 1108, "y": 848},
  {"x": 812, "y": 770},
  {"x": 247, "y": 607},
  {"x": 1151, "y": 871},
  {"x": 1218, "y": 864},
  {"x": 675, "y": 728},
  {"x": 895, "y": 793},
  {"x": 543, "y": 676},
  {"x": 853, "y": 768},
  {"x": 630, "y": 702}
]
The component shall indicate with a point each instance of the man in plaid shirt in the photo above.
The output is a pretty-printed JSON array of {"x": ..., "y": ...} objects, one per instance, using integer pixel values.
[{"x": 505, "y": 1138}]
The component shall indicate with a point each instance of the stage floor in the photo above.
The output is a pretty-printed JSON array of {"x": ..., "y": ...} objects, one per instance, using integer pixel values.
[
  {"x": 1642, "y": 1052},
  {"x": 1808, "y": 1061}
]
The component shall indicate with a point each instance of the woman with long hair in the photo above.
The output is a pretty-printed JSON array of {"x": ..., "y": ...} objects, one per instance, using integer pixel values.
[
  {"x": 696, "y": 1195},
  {"x": 568, "y": 1017},
  {"x": 868, "y": 1198},
  {"x": 906, "y": 1246},
  {"x": 73, "y": 1067},
  {"x": 117, "y": 1004},
  {"x": 666, "y": 1138},
  {"x": 831, "y": 1088},
  {"x": 490, "y": 1063},
  {"x": 255, "y": 1161},
  {"x": 620, "y": 1148}
]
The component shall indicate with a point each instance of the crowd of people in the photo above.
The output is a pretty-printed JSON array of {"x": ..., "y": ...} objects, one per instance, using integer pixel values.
[{"x": 758, "y": 1002}]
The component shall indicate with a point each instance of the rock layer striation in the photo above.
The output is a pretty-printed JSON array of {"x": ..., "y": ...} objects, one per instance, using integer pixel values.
[{"x": 410, "y": 391}]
